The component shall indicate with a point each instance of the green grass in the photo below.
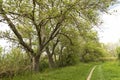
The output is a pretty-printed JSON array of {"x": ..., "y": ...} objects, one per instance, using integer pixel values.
[
  {"x": 107, "y": 71},
  {"x": 103, "y": 71},
  {"x": 77, "y": 72}
]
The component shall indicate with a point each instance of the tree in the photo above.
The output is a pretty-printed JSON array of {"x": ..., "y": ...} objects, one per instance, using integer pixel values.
[
  {"x": 1, "y": 49},
  {"x": 50, "y": 50},
  {"x": 111, "y": 48},
  {"x": 43, "y": 15},
  {"x": 92, "y": 49},
  {"x": 68, "y": 49},
  {"x": 118, "y": 52}
]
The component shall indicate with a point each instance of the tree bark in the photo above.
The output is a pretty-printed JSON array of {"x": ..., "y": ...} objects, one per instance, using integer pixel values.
[
  {"x": 51, "y": 62},
  {"x": 35, "y": 64},
  {"x": 50, "y": 58},
  {"x": 55, "y": 58},
  {"x": 61, "y": 56}
]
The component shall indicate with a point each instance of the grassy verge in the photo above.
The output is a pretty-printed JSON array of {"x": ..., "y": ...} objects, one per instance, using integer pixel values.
[
  {"x": 77, "y": 72},
  {"x": 107, "y": 71}
]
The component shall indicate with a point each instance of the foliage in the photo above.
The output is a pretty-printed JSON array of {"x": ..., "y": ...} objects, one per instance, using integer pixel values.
[
  {"x": 118, "y": 52},
  {"x": 44, "y": 64},
  {"x": 111, "y": 48},
  {"x": 92, "y": 49},
  {"x": 13, "y": 63},
  {"x": 76, "y": 72},
  {"x": 69, "y": 57},
  {"x": 37, "y": 23},
  {"x": 1, "y": 50},
  {"x": 68, "y": 49}
]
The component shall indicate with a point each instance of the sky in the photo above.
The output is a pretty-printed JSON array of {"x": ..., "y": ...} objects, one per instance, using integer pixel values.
[
  {"x": 3, "y": 27},
  {"x": 108, "y": 32}
]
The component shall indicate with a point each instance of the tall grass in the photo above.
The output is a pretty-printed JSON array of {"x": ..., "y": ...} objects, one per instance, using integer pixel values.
[{"x": 77, "y": 72}]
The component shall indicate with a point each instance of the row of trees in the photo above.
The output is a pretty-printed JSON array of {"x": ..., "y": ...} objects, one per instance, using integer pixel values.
[
  {"x": 62, "y": 29},
  {"x": 58, "y": 53}
]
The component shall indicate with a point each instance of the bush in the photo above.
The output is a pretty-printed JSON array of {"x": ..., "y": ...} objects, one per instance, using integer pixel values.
[
  {"x": 14, "y": 62},
  {"x": 44, "y": 64}
]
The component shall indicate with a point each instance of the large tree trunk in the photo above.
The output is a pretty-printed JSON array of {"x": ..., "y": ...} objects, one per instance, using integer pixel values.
[
  {"x": 51, "y": 61},
  {"x": 35, "y": 64}
]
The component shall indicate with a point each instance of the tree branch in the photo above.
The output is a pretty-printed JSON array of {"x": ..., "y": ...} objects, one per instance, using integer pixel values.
[
  {"x": 54, "y": 46},
  {"x": 18, "y": 35},
  {"x": 67, "y": 38},
  {"x": 21, "y": 15}
]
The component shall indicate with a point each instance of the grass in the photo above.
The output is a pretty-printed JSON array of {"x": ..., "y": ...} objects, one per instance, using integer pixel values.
[
  {"x": 103, "y": 71},
  {"x": 77, "y": 72},
  {"x": 107, "y": 71}
]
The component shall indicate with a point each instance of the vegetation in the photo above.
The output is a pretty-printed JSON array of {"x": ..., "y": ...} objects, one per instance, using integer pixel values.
[
  {"x": 36, "y": 24},
  {"x": 118, "y": 52},
  {"x": 107, "y": 71},
  {"x": 50, "y": 34},
  {"x": 77, "y": 72}
]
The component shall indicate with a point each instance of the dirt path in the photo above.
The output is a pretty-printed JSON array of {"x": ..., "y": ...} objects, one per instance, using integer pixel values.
[{"x": 91, "y": 72}]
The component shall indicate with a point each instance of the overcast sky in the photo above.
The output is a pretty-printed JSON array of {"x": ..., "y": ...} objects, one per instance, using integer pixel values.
[{"x": 109, "y": 31}]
